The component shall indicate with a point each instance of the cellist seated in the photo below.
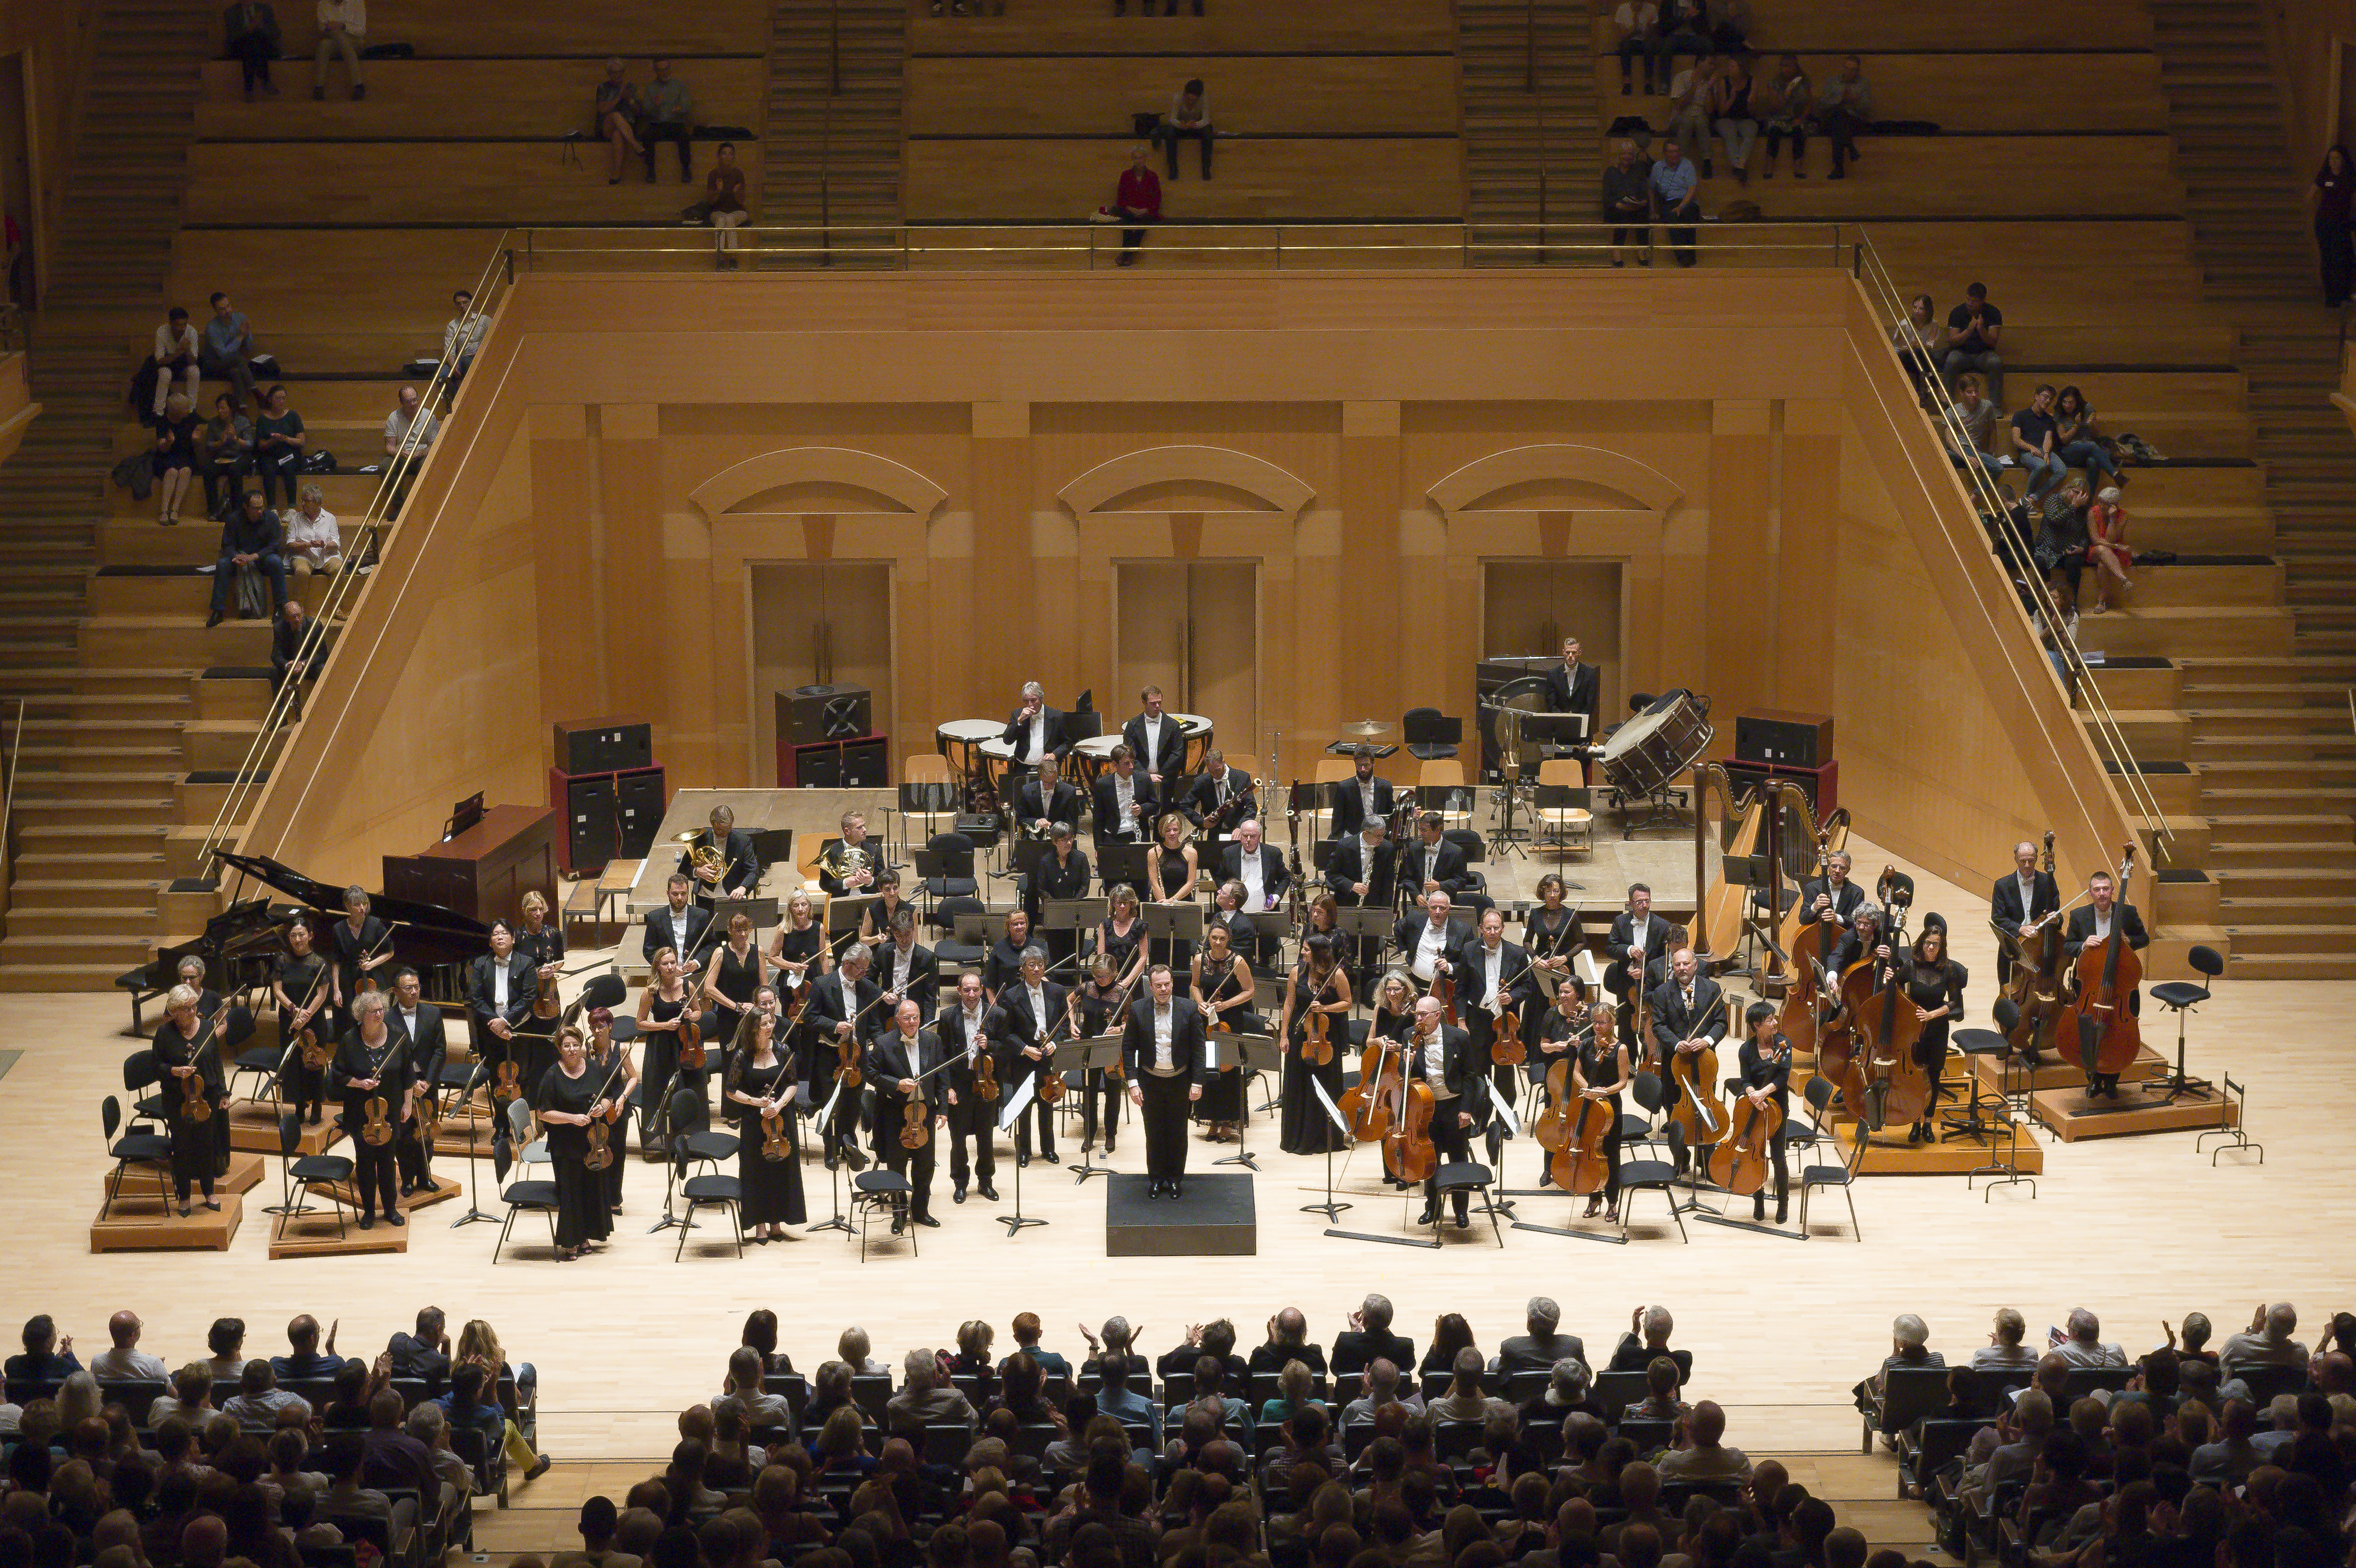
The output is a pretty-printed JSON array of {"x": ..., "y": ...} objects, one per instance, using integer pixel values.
[{"x": 2092, "y": 923}]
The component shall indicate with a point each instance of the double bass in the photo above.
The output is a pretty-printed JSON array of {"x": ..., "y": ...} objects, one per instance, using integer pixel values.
[
  {"x": 1551, "y": 1127},
  {"x": 2096, "y": 1030},
  {"x": 1803, "y": 1003},
  {"x": 1884, "y": 1084},
  {"x": 2035, "y": 986},
  {"x": 1693, "y": 1075}
]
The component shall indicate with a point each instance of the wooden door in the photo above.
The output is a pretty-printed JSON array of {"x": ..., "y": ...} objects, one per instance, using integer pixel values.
[
  {"x": 821, "y": 623},
  {"x": 1193, "y": 629}
]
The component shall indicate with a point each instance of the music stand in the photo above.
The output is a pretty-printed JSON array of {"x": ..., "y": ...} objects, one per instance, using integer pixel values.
[
  {"x": 474, "y": 1214},
  {"x": 1096, "y": 1055},
  {"x": 1008, "y": 1120},
  {"x": 1269, "y": 928},
  {"x": 1253, "y": 1053},
  {"x": 1172, "y": 923},
  {"x": 762, "y": 911},
  {"x": 843, "y": 913},
  {"x": 1118, "y": 860},
  {"x": 1330, "y": 1209},
  {"x": 1028, "y": 853},
  {"x": 1075, "y": 915},
  {"x": 1366, "y": 923},
  {"x": 973, "y": 930},
  {"x": 834, "y": 1166}
]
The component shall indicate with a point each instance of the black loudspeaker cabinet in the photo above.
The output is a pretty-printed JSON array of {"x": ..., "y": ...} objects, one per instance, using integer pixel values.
[
  {"x": 607, "y": 817},
  {"x": 1786, "y": 739},
  {"x": 639, "y": 803},
  {"x": 586, "y": 803},
  {"x": 864, "y": 764},
  {"x": 603, "y": 745},
  {"x": 808, "y": 714}
]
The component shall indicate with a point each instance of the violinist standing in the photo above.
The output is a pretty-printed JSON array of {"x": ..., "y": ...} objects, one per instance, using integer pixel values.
[
  {"x": 761, "y": 1080},
  {"x": 501, "y": 986},
  {"x": 973, "y": 1029},
  {"x": 2093, "y": 922},
  {"x": 1549, "y": 936},
  {"x": 1601, "y": 1070},
  {"x": 1444, "y": 1058},
  {"x": 1097, "y": 1014},
  {"x": 188, "y": 1046},
  {"x": 1222, "y": 986},
  {"x": 567, "y": 1100},
  {"x": 371, "y": 1066},
  {"x": 1934, "y": 985},
  {"x": 1317, "y": 985},
  {"x": 605, "y": 1055},
  {"x": 900, "y": 1064},
  {"x": 542, "y": 941},
  {"x": 840, "y": 1012},
  {"x": 1494, "y": 980},
  {"x": 1765, "y": 1065},
  {"x": 1032, "y": 1006},
  {"x": 667, "y": 1001},
  {"x": 418, "y": 1022}
]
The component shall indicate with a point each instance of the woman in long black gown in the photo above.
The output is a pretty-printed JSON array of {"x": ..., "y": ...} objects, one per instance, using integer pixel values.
[
  {"x": 610, "y": 1064},
  {"x": 1602, "y": 1070},
  {"x": 761, "y": 1080},
  {"x": 661, "y": 1005},
  {"x": 188, "y": 1047},
  {"x": 1223, "y": 989},
  {"x": 1550, "y": 935},
  {"x": 735, "y": 972},
  {"x": 1003, "y": 966},
  {"x": 1174, "y": 872},
  {"x": 1317, "y": 985},
  {"x": 300, "y": 987},
  {"x": 566, "y": 1099},
  {"x": 1934, "y": 985}
]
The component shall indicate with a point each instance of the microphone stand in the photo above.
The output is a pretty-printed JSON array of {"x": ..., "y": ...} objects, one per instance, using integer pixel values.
[{"x": 474, "y": 1213}]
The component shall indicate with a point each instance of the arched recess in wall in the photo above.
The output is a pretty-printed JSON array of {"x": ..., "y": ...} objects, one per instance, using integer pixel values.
[
  {"x": 1212, "y": 533},
  {"x": 1557, "y": 477},
  {"x": 768, "y": 515}
]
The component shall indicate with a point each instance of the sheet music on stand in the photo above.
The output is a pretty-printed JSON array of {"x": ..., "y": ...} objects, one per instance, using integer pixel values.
[
  {"x": 1075, "y": 915},
  {"x": 762, "y": 911},
  {"x": 1182, "y": 921},
  {"x": 1119, "y": 860},
  {"x": 1018, "y": 1102},
  {"x": 1341, "y": 1122}
]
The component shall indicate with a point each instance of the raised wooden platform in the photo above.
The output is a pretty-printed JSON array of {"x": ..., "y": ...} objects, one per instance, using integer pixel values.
[
  {"x": 2074, "y": 1117},
  {"x": 145, "y": 1224},
  {"x": 313, "y": 1235},
  {"x": 445, "y": 1190},
  {"x": 244, "y": 1174},
  {"x": 1952, "y": 1156},
  {"x": 253, "y": 1127},
  {"x": 2053, "y": 1074}
]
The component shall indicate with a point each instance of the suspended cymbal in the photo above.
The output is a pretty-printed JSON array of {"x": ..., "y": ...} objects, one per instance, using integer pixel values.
[{"x": 1366, "y": 730}]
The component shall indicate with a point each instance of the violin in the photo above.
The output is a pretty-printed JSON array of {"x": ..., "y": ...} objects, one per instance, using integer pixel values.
[
  {"x": 366, "y": 986},
  {"x": 2035, "y": 986},
  {"x": 1050, "y": 1083},
  {"x": 1506, "y": 1047},
  {"x": 775, "y": 1144},
  {"x": 1363, "y": 1104},
  {"x": 1739, "y": 1162},
  {"x": 1884, "y": 1084},
  {"x": 427, "y": 1110},
  {"x": 915, "y": 1122},
  {"x": 1443, "y": 985},
  {"x": 316, "y": 1052},
  {"x": 691, "y": 1037},
  {"x": 196, "y": 1100},
  {"x": 507, "y": 1083},
  {"x": 601, "y": 1136},
  {"x": 545, "y": 1006},
  {"x": 985, "y": 1074},
  {"x": 376, "y": 1124},
  {"x": 2096, "y": 1030},
  {"x": 1316, "y": 1027},
  {"x": 1407, "y": 1150}
]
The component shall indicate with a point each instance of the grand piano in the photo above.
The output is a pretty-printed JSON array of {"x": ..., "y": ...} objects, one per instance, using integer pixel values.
[{"x": 241, "y": 945}]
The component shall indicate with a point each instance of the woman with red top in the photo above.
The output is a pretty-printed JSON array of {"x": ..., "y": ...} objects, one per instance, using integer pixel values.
[
  {"x": 2106, "y": 549},
  {"x": 1138, "y": 201}
]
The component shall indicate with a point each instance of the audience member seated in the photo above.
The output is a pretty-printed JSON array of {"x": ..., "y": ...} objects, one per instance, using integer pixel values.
[
  {"x": 1673, "y": 202},
  {"x": 225, "y": 453},
  {"x": 1136, "y": 203},
  {"x": 760, "y": 1332},
  {"x": 1543, "y": 1346},
  {"x": 2266, "y": 1342},
  {"x": 614, "y": 117},
  {"x": 174, "y": 358},
  {"x": 279, "y": 443},
  {"x": 123, "y": 1360},
  {"x": 1787, "y": 102},
  {"x": 1699, "y": 1454},
  {"x": 1910, "y": 1345},
  {"x": 1026, "y": 1329},
  {"x": 296, "y": 646},
  {"x": 1637, "y": 25},
  {"x": 315, "y": 541},
  {"x": 342, "y": 30},
  {"x": 927, "y": 1398},
  {"x": 1130, "y": 1407},
  {"x": 1691, "y": 92},
  {"x": 1568, "y": 1394},
  {"x": 1189, "y": 120},
  {"x": 1628, "y": 204},
  {"x": 1971, "y": 429},
  {"x": 409, "y": 433},
  {"x": 2004, "y": 1349},
  {"x": 746, "y": 1381},
  {"x": 425, "y": 1353},
  {"x": 226, "y": 351},
  {"x": 174, "y": 456},
  {"x": 1296, "y": 1389},
  {"x": 259, "y": 1399},
  {"x": 1731, "y": 116},
  {"x": 1287, "y": 1341},
  {"x": 461, "y": 335},
  {"x": 250, "y": 538},
  {"x": 1467, "y": 1399},
  {"x": 2034, "y": 440},
  {"x": 225, "y": 1343},
  {"x": 1843, "y": 109},
  {"x": 249, "y": 37},
  {"x": 1368, "y": 1337},
  {"x": 666, "y": 114},
  {"x": 1382, "y": 1386},
  {"x": 1656, "y": 1324},
  {"x": 1975, "y": 330},
  {"x": 1451, "y": 1335}
]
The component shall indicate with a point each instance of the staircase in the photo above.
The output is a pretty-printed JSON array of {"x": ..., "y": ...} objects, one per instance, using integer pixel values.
[
  {"x": 831, "y": 147},
  {"x": 102, "y": 757},
  {"x": 1530, "y": 108},
  {"x": 2270, "y": 734}
]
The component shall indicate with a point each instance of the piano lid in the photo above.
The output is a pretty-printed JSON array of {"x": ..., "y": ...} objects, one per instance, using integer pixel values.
[{"x": 420, "y": 918}]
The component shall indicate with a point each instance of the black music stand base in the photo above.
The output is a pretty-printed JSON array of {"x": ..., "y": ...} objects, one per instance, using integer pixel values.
[
  {"x": 1017, "y": 1221},
  {"x": 834, "y": 1180},
  {"x": 474, "y": 1214},
  {"x": 1756, "y": 1227},
  {"x": 2007, "y": 1170},
  {"x": 1330, "y": 1209},
  {"x": 1604, "y": 1236}
]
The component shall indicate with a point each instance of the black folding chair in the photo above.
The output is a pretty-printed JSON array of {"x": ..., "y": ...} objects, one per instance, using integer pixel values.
[
  {"x": 1659, "y": 1176},
  {"x": 140, "y": 1145},
  {"x": 1841, "y": 1177}
]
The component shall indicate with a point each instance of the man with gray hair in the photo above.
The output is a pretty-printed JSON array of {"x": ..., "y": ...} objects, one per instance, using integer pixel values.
[
  {"x": 2266, "y": 1342},
  {"x": 429, "y": 1423},
  {"x": 1634, "y": 1355},
  {"x": 1467, "y": 1399},
  {"x": 1542, "y": 1347},
  {"x": 2019, "y": 901},
  {"x": 314, "y": 540},
  {"x": 1566, "y": 1393},
  {"x": 1383, "y": 1386},
  {"x": 925, "y": 1399},
  {"x": 2004, "y": 1349},
  {"x": 2083, "y": 1346},
  {"x": 1035, "y": 730},
  {"x": 1370, "y": 1338},
  {"x": 409, "y": 433}
]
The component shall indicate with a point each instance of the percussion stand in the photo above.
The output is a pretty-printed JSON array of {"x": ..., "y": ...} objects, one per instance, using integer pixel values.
[
  {"x": 1658, "y": 813},
  {"x": 1505, "y": 838}
]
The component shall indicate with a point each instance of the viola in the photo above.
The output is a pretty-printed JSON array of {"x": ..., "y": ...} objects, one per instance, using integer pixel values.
[
  {"x": 2096, "y": 1030},
  {"x": 427, "y": 1111},
  {"x": 776, "y": 1145},
  {"x": 1883, "y": 1084},
  {"x": 1316, "y": 1028},
  {"x": 985, "y": 1074},
  {"x": 545, "y": 1006},
  {"x": 1739, "y": 1162},
  {"x": 1505, "y": 1048},
  {"x": 376, "y": 1128},
  {"x": 690, "y": 1038},
  {"x": 915, "y": 1122},
  {"x": 196, "y": 1100},
  {"x": 1443, "y": 985},
  {"x": 507, "y": 1083},
  {"x": 316, "y": 1052},
  {"x": 1364, "y": 1104}
]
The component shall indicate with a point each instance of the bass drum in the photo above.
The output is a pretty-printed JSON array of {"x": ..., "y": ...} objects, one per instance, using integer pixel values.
[{"x": 1650, "y": 750}]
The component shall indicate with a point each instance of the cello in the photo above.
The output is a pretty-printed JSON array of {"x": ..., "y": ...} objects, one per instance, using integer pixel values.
[
  {"x": 1364, "y": 1104},
  {"x": 1694, "y": 1074},
  {"x": 1407, "y": 1150},
  {"x": 2035, "y": 986},
  {"x": 1552, "y": 1127},
  {"x": 1884, "y": 1083},
  {"x": 1739, "y": 1162},
  {"x": 2096, "y": 1028},
  {"x": 1584, "y": 1169}
]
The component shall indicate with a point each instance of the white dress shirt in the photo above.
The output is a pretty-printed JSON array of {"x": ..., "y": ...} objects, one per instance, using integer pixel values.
[
  {"x": 1165, "y": 1063},
  {"x": 1039, "y": 1010},
  {"x": 498, "y": 982},
  {"x": 1429, "y": 947},
  {"x": 2027, "y": 896},
  {"x": 1153, "y": 740},
  {"x": 1493, "y": 960},
  {"x": 1255, "y": 897},
  {"x": 1038, "y": 747},
  {"x": 1124, "y": 796},
  {"x": 973, "y": 1034}
]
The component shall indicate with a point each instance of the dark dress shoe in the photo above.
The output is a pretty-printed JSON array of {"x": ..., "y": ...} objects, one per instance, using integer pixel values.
[
  {"x": 1153, "y": 1190},
  {"x": 1463, "y": 1221},
  {"x": 1177, "y": 1189},
  {"x": 394, "y": 1217},
  {"x": 899, "y": 1223},
  {"x": 368, "y": 1221},
  {"x": 1430, "y": 1216},
  {"x": 1022, "y": 1158},
  {"x": 957, "y": 1196},
  {"x": 1049, "y": 1155},
  {"x": 928, "y": 1220},
  {"x": 987, "y": 1191}
]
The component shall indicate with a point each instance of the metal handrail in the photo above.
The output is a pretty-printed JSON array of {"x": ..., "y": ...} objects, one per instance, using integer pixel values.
[
  {"x": 1813, "y": 245},
  {"x": 377, "y": 534},
  {"x": 8, "y": 801}
]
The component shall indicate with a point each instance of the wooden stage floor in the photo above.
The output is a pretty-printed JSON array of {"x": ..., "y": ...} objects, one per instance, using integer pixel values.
[{"x": 2140, "y": 1229}]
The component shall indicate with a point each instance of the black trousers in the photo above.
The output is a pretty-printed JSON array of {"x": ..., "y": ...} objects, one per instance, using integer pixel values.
[
  {"x": 413, "y": 1157},
  {"x": 374, "y": 1173},
  {"x": 1683, "y": 221},
  {"x": 253, "y": 53},
  {"x": 976, "y": 1120},
  {"x": 1842, "y": 127},
  {"x": 1041, "y": 1113},
  {"x": 1452, "y": 1142},
  {"x": 1165, "y": 1115},
  {"x": 221, "y": 479},
  {"x": 1108, "y": 1090},
  {"x": 916, "y": 1164},
  {"x": 652, "y": 131},
  {"x": 1170, "y": 135}
]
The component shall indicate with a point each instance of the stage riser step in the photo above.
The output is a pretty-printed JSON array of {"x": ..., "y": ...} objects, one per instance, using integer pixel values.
[{"x": 2072, "y": 1117}]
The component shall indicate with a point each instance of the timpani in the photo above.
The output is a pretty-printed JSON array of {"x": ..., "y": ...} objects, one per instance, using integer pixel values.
[
  {"x": 960, "y": 740},
  {"x": 1200, "y": 735},
  {"x": 1091, "y": 757}
]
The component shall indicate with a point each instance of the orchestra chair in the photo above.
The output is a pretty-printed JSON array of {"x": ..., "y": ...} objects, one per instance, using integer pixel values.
[
  {"x": 926, "y": 794},
  {"x": 714, "y": 1189},
  {"x": 296, "y": 1172},
  {"x": 1329, "y": 771},
  {"x": 1654, "y": 1176},
  {"x": 1842, "y": 1177},
  {"x": 2181, "y": 997},
  {"x": 1973, "y": 1044},
  {"x": 1644, "y": 1088},
  {"x": 140, "y": 1070},
  {"x": 1616, "y": 1391},
  {"x": 877, "y": 1188},
  {"x": 945, "y": 867},
  {"x": 950, "y": 952},
  {"x": 141, "y": 1144},
  {"x": 1467, "y": 1177},
  {"x": 1564, "y": 806},
  {"x": 1430, "y": 735},
  {"x": 1439, "y": 786},
  {"x": 262, "y": 1062},
  {"x": 534, "y": 1195}
]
